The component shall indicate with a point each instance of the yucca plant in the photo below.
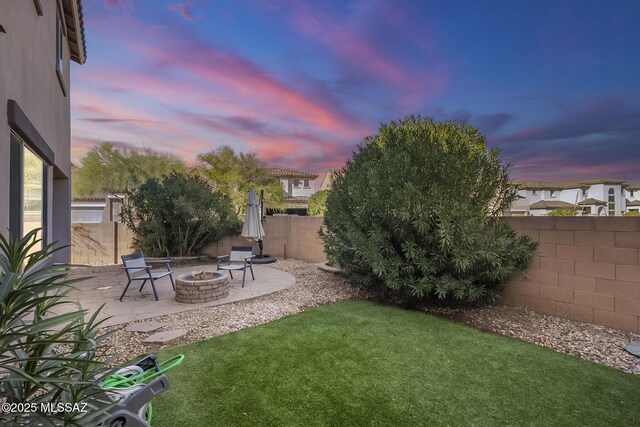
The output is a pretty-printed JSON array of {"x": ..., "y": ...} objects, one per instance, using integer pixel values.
[{"x": 49, "y": 352}]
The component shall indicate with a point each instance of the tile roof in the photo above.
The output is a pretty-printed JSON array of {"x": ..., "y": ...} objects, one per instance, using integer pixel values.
[
  {"x": 592, "y": 201},
  {"x": 633, "y": 187},
  {"x": 296, "y": 199},
  {"x": 74, "y": 19},
  {"x": 634, "y": 203},
  {"x": 289, "y": 173},
  {"x": 563, "y": 185},
  {"x": 550, "y": 204}
]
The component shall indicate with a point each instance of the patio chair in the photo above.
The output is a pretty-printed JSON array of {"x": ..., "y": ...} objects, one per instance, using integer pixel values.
[
  {"x": 242, "y": 254},
  {"x": 137, "y": 268}
]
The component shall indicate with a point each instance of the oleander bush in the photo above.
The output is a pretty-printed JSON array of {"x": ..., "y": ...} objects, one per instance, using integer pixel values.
[
  {"x": 177, "y": 215},
  {"x": 416, "y": 210}
]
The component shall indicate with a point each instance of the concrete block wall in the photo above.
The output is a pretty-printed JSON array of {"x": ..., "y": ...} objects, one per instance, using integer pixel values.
[
  {"x": 94, "y": 243},
  {"x": 286, "y": 237},
  {"x": 586, "y": 269}
]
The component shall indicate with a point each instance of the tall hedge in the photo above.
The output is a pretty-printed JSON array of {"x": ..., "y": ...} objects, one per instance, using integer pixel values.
[{"x": 416, "y": 210}]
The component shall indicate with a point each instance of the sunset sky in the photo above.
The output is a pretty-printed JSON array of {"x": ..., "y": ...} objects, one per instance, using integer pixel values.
[{"x": 554, "y": 84}]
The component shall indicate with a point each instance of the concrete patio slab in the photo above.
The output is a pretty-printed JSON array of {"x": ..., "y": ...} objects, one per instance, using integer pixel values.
[
  {"x": 106, "y": 287},
  {"x": 149, "y": 326},
  {"x": 165, "y": 337}
]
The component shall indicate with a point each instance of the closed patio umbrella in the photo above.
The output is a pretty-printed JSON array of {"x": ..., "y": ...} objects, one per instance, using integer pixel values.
[{"x": 252, "y": 222}]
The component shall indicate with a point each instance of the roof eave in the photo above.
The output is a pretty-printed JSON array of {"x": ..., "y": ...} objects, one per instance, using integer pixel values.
[{"x": 79, "y": 53}]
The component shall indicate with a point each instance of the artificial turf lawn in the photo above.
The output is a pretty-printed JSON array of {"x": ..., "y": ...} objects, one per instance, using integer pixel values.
[{"x": 358, "y": 363}]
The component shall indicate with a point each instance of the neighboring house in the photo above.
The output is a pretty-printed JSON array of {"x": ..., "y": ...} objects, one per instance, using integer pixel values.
[
  {"x": 297, "y": 186},
  {"x": 97, "y": 209},
  {"x": 327, "y": 181},
  {"x": 38, "y": 39},
  {"x": 633, "y": 197},
  {"x": 601, "y": 197}
]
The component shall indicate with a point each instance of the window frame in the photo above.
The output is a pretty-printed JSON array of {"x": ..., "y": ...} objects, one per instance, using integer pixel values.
[
  {"x": 59, "y": 60},
  {"x": 611, "y": 204},
  {"x": 16, "y": 185}
]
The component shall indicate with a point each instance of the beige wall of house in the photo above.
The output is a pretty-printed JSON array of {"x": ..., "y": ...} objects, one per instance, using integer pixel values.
[{"x": 28, "y": 58}]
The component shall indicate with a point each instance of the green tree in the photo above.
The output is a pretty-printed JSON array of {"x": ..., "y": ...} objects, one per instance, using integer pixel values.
[
  {"x": 416, "y": 210},
  {"x": 177, "y": 215},
  {"x": 564, "y": 212},
  {"x": 234, "y": 174},
  {"x": 107, "y": 170},
  {"x": 632, "y": 213},
  {"x": 318, "y": 203}
]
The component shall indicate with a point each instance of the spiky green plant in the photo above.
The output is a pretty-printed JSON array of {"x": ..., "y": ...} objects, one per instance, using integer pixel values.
[{"x": 49, "y": 352}]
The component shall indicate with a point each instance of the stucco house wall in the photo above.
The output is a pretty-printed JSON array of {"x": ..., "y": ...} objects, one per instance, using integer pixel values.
[{"x": 29, "y": 79}]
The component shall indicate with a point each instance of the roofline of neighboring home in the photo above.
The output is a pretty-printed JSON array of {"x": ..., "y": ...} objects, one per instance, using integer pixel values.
[
  {"x": 633, "y": 187},
  {"x": 565, "y": 185},
  {"x": 74, "y": 18},
  {"x": 289, "y": 173}
]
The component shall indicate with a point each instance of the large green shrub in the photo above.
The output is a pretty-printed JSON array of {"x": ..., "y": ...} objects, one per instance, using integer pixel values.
[
  {"x": 318, "y": 203},
  {"x": 49, "y": 352},
  {"x": 416, "y": 210},
  {"x": 178, "y": 215}
]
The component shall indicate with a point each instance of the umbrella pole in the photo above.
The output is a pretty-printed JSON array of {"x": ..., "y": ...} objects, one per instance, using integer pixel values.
[{"x": 261, "y": 218}]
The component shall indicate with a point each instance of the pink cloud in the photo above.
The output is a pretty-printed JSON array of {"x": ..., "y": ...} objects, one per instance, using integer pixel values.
[
  {"x": 184, "y": 9},
  {"x": 344, "y": 37}
]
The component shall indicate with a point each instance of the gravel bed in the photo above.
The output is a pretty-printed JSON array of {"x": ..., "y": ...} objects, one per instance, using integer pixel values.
[
  {"x": 314, "y": 288},
  {"x": 591, "y": 342}
]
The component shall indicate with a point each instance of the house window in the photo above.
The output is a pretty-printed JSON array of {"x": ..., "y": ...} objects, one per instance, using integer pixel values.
[
  {"x": 612, "y": 202},
  {"x": 306, "y": 183},
  {"x": 296, "y": 183},
  {"x": 552, "y": 193},
  {"x": 584, "y": 193},
  {"x": 534, "y": 192},
  {"x": 60, "y": 53},
  {"x": 29, "y": 186},
  {"x": 631, "y": 193}
]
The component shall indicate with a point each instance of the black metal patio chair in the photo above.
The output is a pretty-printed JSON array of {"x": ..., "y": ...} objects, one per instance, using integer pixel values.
[{"x": 137, "y": 268}]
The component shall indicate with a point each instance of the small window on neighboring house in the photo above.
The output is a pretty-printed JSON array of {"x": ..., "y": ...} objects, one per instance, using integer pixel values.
[
  {"x": 612, "y": 202},
  {"x": 534, "y": 192},
  {"x": 296, "y": 183},
  {"x": 306, "y": 183},
  {"x": 552, "y": 193},
  {"x": 631, "y": 193},
  {"x": 584, "y": 193}
]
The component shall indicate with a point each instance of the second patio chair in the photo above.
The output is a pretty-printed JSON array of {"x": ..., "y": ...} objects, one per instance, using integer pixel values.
[
  {"x": 137, "y": 269},
  {"x": 243, "y": 254}
]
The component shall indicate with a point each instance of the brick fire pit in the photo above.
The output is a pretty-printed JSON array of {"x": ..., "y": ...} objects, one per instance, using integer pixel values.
[{"x": 213, "y": 287}]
